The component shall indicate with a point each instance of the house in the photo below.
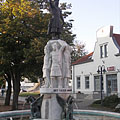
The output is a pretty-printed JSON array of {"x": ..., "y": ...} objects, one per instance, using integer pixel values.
[{"x": 86, "y": 71}]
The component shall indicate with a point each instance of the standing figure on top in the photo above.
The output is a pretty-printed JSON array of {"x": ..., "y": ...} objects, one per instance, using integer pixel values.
[{"x": 57, "y": 21}]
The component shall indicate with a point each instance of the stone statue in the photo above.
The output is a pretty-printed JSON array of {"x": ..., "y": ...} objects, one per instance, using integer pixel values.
[
  {"x": 46, "y": 67},
  {"x": 67, "y": 65},
  {"x": 55, "y": 26},
  {"x": 35, "y": 106},
  {"x": 57, "y": 62},
  {"x": 56, "y": 65}
]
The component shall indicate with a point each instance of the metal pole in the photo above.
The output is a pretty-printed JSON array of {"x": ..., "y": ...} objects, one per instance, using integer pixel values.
[{"x": 101, "y": 77}]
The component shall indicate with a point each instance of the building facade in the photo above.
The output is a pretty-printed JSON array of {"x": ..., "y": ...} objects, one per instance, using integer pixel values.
[{"x": 106, "y": 55}]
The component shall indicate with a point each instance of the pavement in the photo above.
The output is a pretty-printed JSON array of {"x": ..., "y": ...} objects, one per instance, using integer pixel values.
[
  {"x": 80, "y": 104},
  {"x": 83, "y": 104}
]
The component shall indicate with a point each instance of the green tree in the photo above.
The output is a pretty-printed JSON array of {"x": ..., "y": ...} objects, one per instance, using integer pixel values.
[
  {"x": 23, "y": 35},
  {"x": 20, "y": 25}
]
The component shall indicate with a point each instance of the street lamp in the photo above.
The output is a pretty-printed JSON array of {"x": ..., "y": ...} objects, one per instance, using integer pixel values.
[{"x": 101, "y": 70}]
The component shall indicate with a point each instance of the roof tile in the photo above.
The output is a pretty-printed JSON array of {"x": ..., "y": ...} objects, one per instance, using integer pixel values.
[
  {"x": 84, "y": 59},
  {"x": 117, "y": 38}
]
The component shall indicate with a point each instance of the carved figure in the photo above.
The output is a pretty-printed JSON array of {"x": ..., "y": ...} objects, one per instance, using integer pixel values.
[
  {"x": 56, "y": 65},
  {"x": 57, "y": 61},
  {"x": 66, "y": 65},
  {"x": 46, "y": 66},
  {"x": 35, "y": 106},
  {"x": 55, "y": 26}
]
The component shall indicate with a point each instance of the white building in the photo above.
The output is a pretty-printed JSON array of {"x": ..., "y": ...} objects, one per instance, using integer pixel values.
[{"x": 106, "y": 52}]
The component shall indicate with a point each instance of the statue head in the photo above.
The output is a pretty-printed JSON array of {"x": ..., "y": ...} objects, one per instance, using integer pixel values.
[
  {"x": 56, "y": 2},
  {"x": 54, "y": 46}
]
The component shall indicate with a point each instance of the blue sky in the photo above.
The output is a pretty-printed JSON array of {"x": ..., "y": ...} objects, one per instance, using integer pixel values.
[{"x": 90, "y": 15}]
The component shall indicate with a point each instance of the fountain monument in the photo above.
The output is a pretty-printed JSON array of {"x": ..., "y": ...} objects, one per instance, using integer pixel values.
[{"x": 55, "y": 101}]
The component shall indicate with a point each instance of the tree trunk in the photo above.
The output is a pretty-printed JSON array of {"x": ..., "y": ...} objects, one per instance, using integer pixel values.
[
  {"x": 15, "y": 98},
  {"x": 16, "y": 89},
  {"x": 8, "y": 92}
]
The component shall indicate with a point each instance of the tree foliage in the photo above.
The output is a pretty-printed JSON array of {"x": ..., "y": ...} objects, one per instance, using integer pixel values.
[
  {"x": 23, "y": 35},
  {"x": 78, "y": 50}
]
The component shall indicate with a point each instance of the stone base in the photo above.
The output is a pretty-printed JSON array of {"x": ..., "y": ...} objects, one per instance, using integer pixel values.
[
  {"x": 51, "y": 110},
  {"x": 55, "y": 90}
]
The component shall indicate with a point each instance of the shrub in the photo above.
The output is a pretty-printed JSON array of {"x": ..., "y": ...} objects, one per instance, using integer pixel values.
[
  {"x": 97, "y": 102},
  {"x": 111, "y": 101}
]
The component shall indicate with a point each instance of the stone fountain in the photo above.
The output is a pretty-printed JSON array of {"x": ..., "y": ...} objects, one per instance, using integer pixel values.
[{"x": 55, "y": 102}]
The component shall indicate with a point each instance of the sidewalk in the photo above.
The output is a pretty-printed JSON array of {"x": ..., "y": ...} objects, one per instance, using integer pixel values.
[
  {"x": 21, "y": 104},
  {"x": 83, "y": 104}
]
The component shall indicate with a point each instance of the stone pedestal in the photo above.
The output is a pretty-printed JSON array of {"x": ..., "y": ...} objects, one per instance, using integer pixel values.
[
  {"x": 51, "y": 109},
  {"x": 56, "y": 73}
]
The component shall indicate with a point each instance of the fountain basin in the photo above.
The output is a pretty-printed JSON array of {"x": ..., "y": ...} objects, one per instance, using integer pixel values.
[
  {"x": 17, "y": 113},
  {"x": 95, "y": 115},
  {"x": 78, "y": 115}
]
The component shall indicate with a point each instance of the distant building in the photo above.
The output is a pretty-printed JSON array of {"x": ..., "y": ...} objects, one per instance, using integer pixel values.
[
  {"x": 106, "y": 52},
  {"x": 28, "y": 86}
]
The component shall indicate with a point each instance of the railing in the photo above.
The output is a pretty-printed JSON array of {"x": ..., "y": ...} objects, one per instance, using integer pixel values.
[
  {"x": 11, "y": 114},
  {"x": 92, "y": 113}
]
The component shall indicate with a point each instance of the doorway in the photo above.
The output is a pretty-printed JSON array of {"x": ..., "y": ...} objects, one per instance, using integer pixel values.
[{"x": 111, "y": 84}]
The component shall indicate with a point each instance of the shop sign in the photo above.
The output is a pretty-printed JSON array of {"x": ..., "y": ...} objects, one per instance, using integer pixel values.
[{"x": 112, "y": 68}]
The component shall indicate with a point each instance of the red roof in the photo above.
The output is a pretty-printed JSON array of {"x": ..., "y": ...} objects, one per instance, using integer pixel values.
[
  {"x": 117, "y": 38},
  {"x": 84, "y": 59}
]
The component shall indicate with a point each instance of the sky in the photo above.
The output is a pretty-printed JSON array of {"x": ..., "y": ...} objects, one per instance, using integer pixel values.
[{"x": 90, "y": 15}]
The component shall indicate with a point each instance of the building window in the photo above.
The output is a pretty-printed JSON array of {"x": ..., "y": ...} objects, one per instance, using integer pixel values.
[
  {"x": 86, "y": 82},
  {"x": 97, "y": 83},
  {"x": 78, "y": 82},
  {"x": 104, "y": 51},
  {"x": 101, "y": 51}
]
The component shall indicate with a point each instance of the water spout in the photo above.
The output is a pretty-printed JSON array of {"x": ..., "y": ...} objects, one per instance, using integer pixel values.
[{"x": 76, "y": 106}]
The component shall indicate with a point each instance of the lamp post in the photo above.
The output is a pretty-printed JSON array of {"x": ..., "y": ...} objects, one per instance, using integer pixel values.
[{"x": 101, "y": 70}]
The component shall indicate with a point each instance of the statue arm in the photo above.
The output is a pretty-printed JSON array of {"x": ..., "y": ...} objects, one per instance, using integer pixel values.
[
  {"x": 62, "y": 48},
  {"x": 61, "y": 17},
  {"x": 50, "y": 61}
]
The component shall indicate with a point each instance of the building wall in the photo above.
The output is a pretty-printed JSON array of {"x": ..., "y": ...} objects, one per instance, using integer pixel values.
[{"x": 90, "y": 68}]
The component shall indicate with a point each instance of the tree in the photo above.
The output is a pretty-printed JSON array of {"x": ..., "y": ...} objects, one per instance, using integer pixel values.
[
  {"x": 78, "y": 50},
  {"x": 23, "y": 35},
  {"x": 17, "y": 30}
]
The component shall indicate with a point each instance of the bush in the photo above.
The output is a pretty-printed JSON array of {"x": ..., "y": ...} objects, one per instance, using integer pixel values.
[
  {"x": 111, "y": 101},
  {"x": 97, "y": 102}
]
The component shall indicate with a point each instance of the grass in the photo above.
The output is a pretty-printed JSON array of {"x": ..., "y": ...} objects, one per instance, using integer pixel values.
[
  {"x": 25, "y": 94},
  {"x": 100, "y": 107}
]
